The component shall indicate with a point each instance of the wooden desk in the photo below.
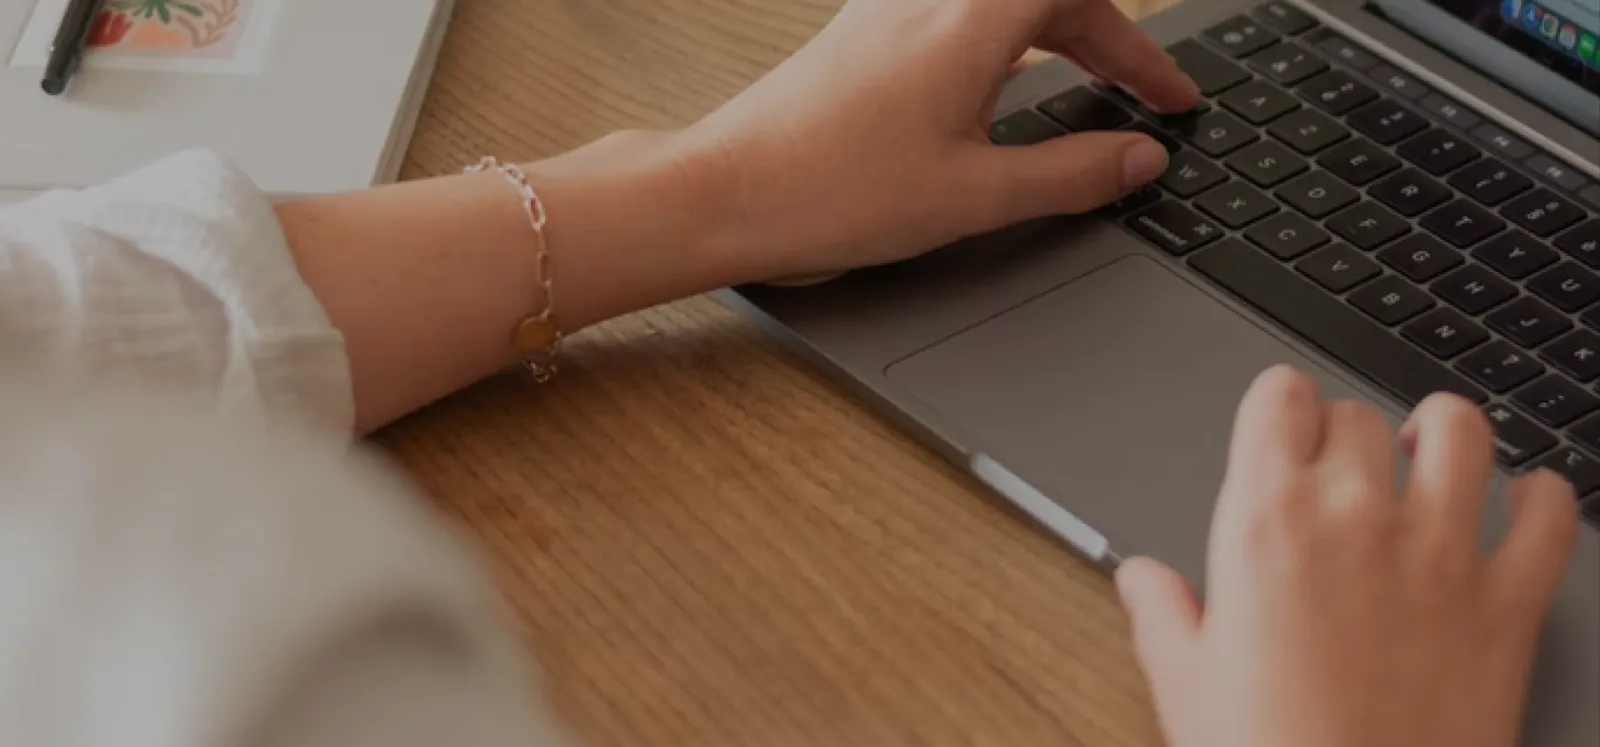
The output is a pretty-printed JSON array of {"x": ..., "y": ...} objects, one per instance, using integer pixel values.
[{"x": 705, "y": 541}]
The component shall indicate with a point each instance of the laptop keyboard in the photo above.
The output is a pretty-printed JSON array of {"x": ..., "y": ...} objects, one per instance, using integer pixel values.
[{"x": 1380, "y": 221}]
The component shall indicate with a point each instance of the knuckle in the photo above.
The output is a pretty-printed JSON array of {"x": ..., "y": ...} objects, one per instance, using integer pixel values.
[{"x": 1452, "y": 414}]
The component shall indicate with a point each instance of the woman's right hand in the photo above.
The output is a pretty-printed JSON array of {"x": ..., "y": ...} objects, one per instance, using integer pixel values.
[{"x": 1341, "y": 611}]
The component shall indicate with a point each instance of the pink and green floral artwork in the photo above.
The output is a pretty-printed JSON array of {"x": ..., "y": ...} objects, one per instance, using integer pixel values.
[{"x": 181, "y": 28}]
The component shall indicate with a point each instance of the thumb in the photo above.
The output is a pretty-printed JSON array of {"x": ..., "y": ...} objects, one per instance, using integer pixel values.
[
  {"x": 1166, "y": 624},
  {"x": 1073, "y": 174}
]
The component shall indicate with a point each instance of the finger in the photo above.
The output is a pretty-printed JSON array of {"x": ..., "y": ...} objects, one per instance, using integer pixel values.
[
  {"x": 1065, "y": 175},
  {"x": 1531, "y": 560},
  {"x": 1358, "y": 453},
  {"x": 1166, "y": 624},
  {"x": 1277, "y": 433},
  {"x": 1108, "y": 42},
  {"x": 1452, "y": 459}
]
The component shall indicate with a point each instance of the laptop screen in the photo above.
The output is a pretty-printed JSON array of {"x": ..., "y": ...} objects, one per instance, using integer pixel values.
[{"x": 1562, "y": 35}]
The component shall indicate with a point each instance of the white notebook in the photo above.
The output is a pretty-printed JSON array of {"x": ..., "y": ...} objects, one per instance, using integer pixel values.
[{"x": 307, "y": 96}]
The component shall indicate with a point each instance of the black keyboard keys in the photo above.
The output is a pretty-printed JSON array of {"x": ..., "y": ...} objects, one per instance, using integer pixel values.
[
  {"x": 1438, "y": 151},
  {"x": 1400, "y": 83},
  {"x": 1515, "y": 254},
  {"x": 1212, "y": 72},
  {"x": 1336, "y": 92},
  {"x": 1308, "y": 130},
  {"x": 1558, "y": 173},
  {"x": 1083, "y": 110},
  {"x": 1368, "y": 225},
  {"x": 1342, "y": 50},
  {"x": 1474, "y": 289},
  {"x": 1577, "y": 353},
  {"x": 1317, "y": 194},
  {"x": 1579, "y": 468},
  {"x": 1024, "y": 127},
  {"x": 1502, "y": 142},
  {"x": 1516, "y": 438},
  {"x": 1587, "y": 433},
  {"x": 1410, "y": 192},
  {"x": 1328, "y": 323},
  {"x": 1542, "y": 212},
  {"x": 1287, "y": 63},
  {"x": 1528, "y": 322},
  {"x": 1358, "y": 161},
  {"x": 1338, "y": 268},
  {"x": 1391, "y": 300},
  {"x": 1259, "y": 102},
  {"x": 1241, "y": 35},
  {"x": 1284, "y": 18},
  {"x": 1568, "y": 286},
  {"x": 1445, "y": 333},
  {"x": 1217, "y": 133},
  {"x": 1490, "y": 182},
  {"x": 1267, "y": 163},
  {"x": 1463, "y": 223},
  {"x": 1450, "y": 111},
  {"x": 1189, "y": 173},
  {"x": 1420, "y": 257},
  {"x": 1236, "y": 204},
  {"x": 1499, "y": 366},
  {"x": 1387, "y": 122},
  {"x": 1174, "y": 227},
  {"x": 1582, "y": 243},
  {"x": 1287, "y": 235},
  {"x": 1555, "y": 401}
]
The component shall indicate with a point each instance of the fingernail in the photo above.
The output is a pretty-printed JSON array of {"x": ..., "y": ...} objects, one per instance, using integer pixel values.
[{"x": 1142, "y": 163}]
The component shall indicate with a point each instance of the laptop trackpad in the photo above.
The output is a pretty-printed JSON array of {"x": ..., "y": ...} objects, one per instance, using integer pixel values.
[{"x": 1114, "y": 396}]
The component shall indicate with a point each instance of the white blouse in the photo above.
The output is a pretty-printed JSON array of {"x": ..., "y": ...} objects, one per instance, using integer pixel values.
[{"x": 176, "y": 569}]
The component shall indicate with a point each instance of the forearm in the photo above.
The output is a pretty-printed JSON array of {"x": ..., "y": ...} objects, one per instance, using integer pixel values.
[{"x": 426, "y": 279}]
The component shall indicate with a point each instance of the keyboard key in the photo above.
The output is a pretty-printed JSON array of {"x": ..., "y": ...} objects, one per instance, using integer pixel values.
[
  {"x": 1558, "y": 173},
  {"x": 1591, "y": 195},
  {"x": 1287, "y": 63},
  {"x": 1338, "y": 268},
  {"x": 1368, "y": 225},
  {"x": 1554, "y": 401},
  {"x": 1445, "y": 333},
  {"x": 1343, "y": 51},
  {"x": 1411, "y": 192},
  {"x": 1140, "y": 198},
  {"x": 1189, "y": 174},
  {"x": 1267, "y": 163},
  {"x": 1516, "y": 438},
  {"x": 1577, "y": 353},
  {"x": 1400, "y": 83},
  {"x": 1023, "y": 127},
  {"x": 1317, "y": 194},
  {"x": 1567, "y": 285},
  {"x": 1174, "y": 227},
  {"x": 1587, "y": 433},
  {"x": 1579, "y": 468},
  {"x": 1308, "y": 131},
  {"x": 1212, "y": 72},
  {"x": 1463, "y": 223},
  {"x": 1336, "y": 92},
  {"x": 1499, "y": 366},
  {"x": 1217, "y": 133},
  {"x": 1502, "y": 142},
  {"x": 1542, "y": 212},
  {"x": 1591, "y": 316},
  {"x": 1474, "y": 289},
  {"x": 1420, "y": 257},
  {"x": 1083, "y": 110},
  {"x": 1284, "y": 18},
  {"x": 1259, "y": 102},
  {"x": 1450, "y": 111},
  {"x": 1528, "y": 322},
  {"x": 1241, "y": 35},
  {"x": 1391, "y": 300},
  {"x": 1515, "y": 254},
  {"x": 1387, "y": 122},
  {"x": 1490, "y": 182},
  {"x": 1358, "y": 161},
  {"x": 1438, "y": 151},
  {"x": 1582, "y": 242},
  {"x": 1236, "y": 204},
  {"x": 1287, "y": 235},
  {"x": 1328, "y": 323}
]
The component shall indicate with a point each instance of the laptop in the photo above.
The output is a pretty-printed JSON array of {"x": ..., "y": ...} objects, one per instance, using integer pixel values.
[{"x": 1397, "y": 196}]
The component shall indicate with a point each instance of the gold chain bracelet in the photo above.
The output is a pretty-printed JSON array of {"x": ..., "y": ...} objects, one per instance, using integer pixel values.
[{"x": 537, "y": 338}]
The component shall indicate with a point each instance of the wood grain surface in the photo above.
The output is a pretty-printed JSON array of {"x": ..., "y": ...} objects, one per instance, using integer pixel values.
[{"x": 705, "y": 542}]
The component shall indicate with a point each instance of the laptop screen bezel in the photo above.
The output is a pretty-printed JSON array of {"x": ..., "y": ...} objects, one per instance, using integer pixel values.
[{"x": 1495, "y": 59}]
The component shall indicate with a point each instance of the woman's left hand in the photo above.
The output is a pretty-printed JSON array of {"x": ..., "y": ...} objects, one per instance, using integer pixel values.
[{"x": 870, "y": 145}]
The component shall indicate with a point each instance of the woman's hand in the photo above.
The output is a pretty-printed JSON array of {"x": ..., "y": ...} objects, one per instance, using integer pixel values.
[
  {"x": 870, "y": 144},
  {"x": 1342, "y": 612}
]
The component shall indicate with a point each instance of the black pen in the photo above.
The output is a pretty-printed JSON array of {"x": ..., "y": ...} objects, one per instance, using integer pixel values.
[{"x": 66, "y": 52}]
